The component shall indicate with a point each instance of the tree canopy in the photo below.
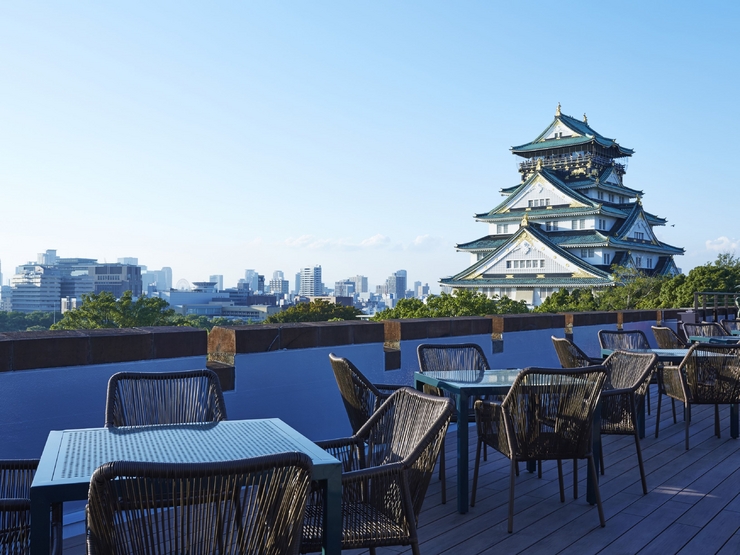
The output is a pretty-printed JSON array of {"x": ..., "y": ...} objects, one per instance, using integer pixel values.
[
  {"x": 102, "y": 310},
  {"x": 25, "y": 321},
  {"x": 462, "y": 303},
  {"x": 315, "y": 311}
]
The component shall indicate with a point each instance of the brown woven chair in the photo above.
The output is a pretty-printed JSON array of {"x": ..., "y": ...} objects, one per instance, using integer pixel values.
[
  {"x": 144, "y": 398},
  {"x": 446, "y": 358},
  {"x": 628, "y": 379},
  {"x": 547, "y": 415},
  {"x": 704, "y": 329},
  {"x": 387, "y": 467},
  {"x": 666, "y": 338},
  {"x": 16, "y": 477},
  {"x": 570, "y": 356},
  {"x": 628, "y": 340},
  {"x": 360, "y": 396},
  {"x": 708, "y": 375},
  {"x": 243, "y": 506},
  {"x": 730, "y": 325}
]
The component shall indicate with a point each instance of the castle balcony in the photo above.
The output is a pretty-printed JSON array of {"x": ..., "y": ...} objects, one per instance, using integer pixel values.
[
  {"x": 569, "y": 162},
  {"x": 57, "y": 380}
]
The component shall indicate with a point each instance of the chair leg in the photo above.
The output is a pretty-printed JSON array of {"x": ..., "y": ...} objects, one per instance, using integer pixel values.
[
  {"x": 601, "y": 461},
  {"x": 687, "y": 418},
  {"x": 597, "y": 492},
  {"x": 442, "y": 471},
  {"x": 372, "y": 550},
  {"x": 673, "y": 404},
  {"x": 560, "y": 481},
  {"x": 512, "y": 482},
  {"x": 575, "y": 478},
  {"x": 647, "y": 399},
  {"x": 539, "y": 469},
  {"x": 475, "y": 474},
  {"x": 716, "y": 421},
  {"x": 639, "y": 461}
]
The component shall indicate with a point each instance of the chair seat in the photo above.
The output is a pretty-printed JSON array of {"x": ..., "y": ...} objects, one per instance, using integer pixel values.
[{"x": 362, "y": 526}]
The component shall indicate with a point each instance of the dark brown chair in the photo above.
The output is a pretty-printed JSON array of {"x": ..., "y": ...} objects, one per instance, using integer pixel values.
[
  {"x": 570, "y": 356},
  {"x": 708, "y": 375},
  {"x": 447, "y": 358},
  {"x": 243, "y": 506},
  {"x": 387, "y": 467},
  {"x": 16, "y": 477},
  {"x": 627, "y": 381},
  {"x": 704, "y": 329},
  {"x": 144, "y": 398},
  {"x": 628, "y": 340},
  {"x": 547, "y": 415},
  {"x": 360, "y": 396},
  {"x": 666, "y": 338},
  {"x": 730, "y": 325}
]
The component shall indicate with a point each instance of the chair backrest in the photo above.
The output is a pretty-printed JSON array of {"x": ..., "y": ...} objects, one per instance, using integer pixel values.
[
  {"x": 244, "y": 506},
  {"x": 408, "y": 428},
  {"x": 143, "y": 398},
  {"x": 456, "y": 356},
  {"x": 15, "y": 504},
  {"x": 359, "y": 395},
  {"x": 730, "y": 325},
  {"x": 548, "y": 412},
  {"x": 704, "y": 329},
  {"x": 712, "y": 373},
  {"x": 623, "y": 339},
  {"x": 569, "y": 354},
  {"x": 666, "y": 338}
]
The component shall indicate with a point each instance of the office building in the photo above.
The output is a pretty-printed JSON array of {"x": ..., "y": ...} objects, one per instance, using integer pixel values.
[{"x": 311, "y": 285}]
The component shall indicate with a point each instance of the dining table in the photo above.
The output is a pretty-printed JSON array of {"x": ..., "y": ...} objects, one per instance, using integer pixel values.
[
  {"x": 717, "y": 339},
  {"x": 464, "y": 384},
  {"x": 70, "y": 457}
]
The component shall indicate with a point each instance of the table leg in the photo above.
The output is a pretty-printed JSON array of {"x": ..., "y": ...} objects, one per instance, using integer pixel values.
[
  {"x": 734, "y": 428},
  {"x": 462, "y": 453},
  {"x": 41, "y": 528},
  {"x": 593, "y": 478},
  {"x": 333, "y": 513}
]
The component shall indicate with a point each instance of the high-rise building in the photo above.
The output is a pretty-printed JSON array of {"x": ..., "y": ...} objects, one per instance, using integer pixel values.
[
  {"x": 344, "y": 288},
  {"x": 569, "y": 220},
  {"x": 130, "y": 260},
  {"x": 36, "y": 287},
  {"x": 219, "y": 280},
  {"x": 278, "y": 285},
  {"x": 311, "y": 284},
  {"x": 117, "y": 279},
  {"x": 360, "y": 283},
  {"x": 396, "y": 284},
  {"x": 252, "y": 279}
]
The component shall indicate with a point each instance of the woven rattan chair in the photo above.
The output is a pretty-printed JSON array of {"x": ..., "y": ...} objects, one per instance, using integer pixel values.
[
  {"x": 627, "y": 340},
  {"x": 446, "y": 358},
  {"x": 547, "y": 415},
  {"x": 730, "y": 325},
  {"x": 387, "y": 467},
  {"x": 666, "y": 338},
  {"x": 15, "y": 508},
  {"x": 628, "y": 379},
  {"x": 708, "y": 375},
  {"x": 360, "y": 396},
  {"x": 243, "y": 506},
  {"x": 704, "y": 329},
  {"x": 144, "y": 398},
  {"x": 570, "y": 356}
]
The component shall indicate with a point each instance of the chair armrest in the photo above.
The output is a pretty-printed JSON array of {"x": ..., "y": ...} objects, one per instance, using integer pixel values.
[
  {"x": 374, "y": 471},
  {"x": 386, "y": 390},
  {"x": 489, "y": 422},
  {"x": 350, "y": 451},
  {"x": 617, "y": 392}
]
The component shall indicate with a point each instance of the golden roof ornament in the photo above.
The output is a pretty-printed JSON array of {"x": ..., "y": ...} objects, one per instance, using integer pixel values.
[
  {"x": 585, "y": 119},
  {"x": 539, "y": 164},
  {"x": 639, "y": 200},
  {"x": 525, "y": 221},
  {"x": 557, "y": 112}
]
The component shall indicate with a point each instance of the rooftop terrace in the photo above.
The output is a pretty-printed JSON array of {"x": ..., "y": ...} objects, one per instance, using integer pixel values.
[{"x": 57, "y": 381}]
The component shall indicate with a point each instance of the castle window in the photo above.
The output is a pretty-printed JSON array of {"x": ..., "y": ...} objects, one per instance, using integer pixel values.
[
  {"x": 639, "y": 235},
  {"x": 587, "y": 253},
  {"x": 542, "y": 263},
  {"x": 547, "y": 202},
  {"x": 508, "y": 264},
  {"x": 607, "y": 258},
  {"x": 611, "y": 197},
  {"x": 502, "y": 228},
  {"x": 548, "y": 226},
  {"x": 649, "y": 262},
  {"x": 530, "y": 203},
  {"x": 601, "y": 195}
]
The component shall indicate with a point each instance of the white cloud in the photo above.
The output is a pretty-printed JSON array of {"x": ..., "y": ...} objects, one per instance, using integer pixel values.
[
  {"x": 723, "y": 244},
  {"x": 426, "y": 242},
  {"x": 376, "y": 242}
]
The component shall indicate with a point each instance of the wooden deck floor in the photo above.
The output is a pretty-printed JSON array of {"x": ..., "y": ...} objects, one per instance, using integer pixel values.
[{"x": 692, "y": 505}]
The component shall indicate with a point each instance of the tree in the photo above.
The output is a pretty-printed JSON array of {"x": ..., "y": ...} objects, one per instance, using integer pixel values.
[
  {"x": 315, "y": 311},
  {"x": 23, "y": 321},
  {"x": 722, "y": 275},
  {"x": 633, "y": 290},
  {"x": 579, "y": 300},
  {"x": 463, "y": 302},
  {"x": 102, "y": 310}
]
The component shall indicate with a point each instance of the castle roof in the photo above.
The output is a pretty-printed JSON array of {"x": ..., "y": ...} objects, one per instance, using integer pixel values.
[{"x": 580, "y": 134}]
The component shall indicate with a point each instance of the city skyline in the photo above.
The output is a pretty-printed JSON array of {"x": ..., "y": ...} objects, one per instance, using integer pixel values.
[{"x": 361, "y": 138}]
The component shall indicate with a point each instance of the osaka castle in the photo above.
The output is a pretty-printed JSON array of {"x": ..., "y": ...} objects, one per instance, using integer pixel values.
[{"x": 569, "y": 220}]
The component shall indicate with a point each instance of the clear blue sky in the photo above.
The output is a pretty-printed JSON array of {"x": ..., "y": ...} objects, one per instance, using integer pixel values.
[{"x": 362, "y": 136}]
